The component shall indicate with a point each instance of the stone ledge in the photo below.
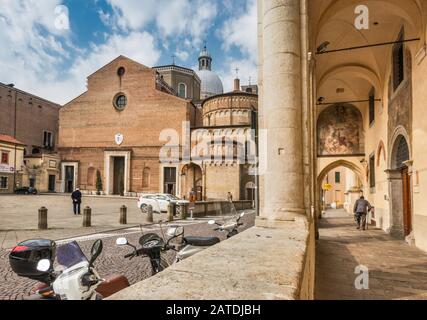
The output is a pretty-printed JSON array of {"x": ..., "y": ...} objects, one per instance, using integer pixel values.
[{"x": 258, "y": 264}]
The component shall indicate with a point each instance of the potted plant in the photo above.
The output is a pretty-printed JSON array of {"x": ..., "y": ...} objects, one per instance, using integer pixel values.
[{"x": 98, "y": 183}]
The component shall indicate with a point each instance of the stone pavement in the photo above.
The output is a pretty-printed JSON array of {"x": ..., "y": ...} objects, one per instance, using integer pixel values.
[
  {"x": 111, "y": 260},
  {"x": 19, "y": 214},
  {"x": 396, "y": 270}
]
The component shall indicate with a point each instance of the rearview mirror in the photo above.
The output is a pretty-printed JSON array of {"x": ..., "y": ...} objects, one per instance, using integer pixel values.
[
  {"x": 121, "y": 241},
  {"x": 95, "y": 251},
  {"x": 43, "y": 265},
  {"x": 212, "y": 222}
]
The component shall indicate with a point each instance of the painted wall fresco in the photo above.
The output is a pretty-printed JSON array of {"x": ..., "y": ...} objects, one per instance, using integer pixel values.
[{"x": 340, "y": 131}]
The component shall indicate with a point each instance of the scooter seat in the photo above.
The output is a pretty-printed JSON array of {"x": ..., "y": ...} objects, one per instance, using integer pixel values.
[{"x": 201, "y": 241}]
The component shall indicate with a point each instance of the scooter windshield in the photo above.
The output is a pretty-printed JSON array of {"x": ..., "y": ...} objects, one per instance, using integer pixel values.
[{"x": 70, "y": 254}]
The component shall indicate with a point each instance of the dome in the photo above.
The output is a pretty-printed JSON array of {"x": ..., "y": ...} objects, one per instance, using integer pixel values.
[{"x": 211, "y": 83}]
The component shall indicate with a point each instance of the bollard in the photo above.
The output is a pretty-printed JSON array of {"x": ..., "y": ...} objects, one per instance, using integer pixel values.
[
  {"x": 87, "y": 217},
  {"x": 123, "y": 215},
  {"x": 183, "y": 211},
  {"x": 43, "y": 218},
  {"x": 170, "y": 212},
  {"x": 150, "y": 218}
]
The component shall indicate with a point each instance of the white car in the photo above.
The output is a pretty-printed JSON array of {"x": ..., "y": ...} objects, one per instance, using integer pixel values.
[{"x": 159, "y": 202}]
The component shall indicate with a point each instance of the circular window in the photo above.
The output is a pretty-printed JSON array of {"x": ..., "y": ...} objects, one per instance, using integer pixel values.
[
  {"x": 121, "y": 71},
  {"x": 120, "y": 102}
]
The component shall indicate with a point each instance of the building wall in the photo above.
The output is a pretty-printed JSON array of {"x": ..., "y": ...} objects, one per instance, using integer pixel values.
[
  {"x": 229, "y": 109},
  {"x": 89, "y": 124},
  {"x": 220, "y": 180},
  {"x": 6, "y": 169},
  {"x": 34, "y": 116}
]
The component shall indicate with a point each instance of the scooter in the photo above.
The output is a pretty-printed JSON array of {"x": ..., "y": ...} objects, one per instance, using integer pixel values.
[
  {"x": 78, "y": 279},
  {"x": 153, "y": 246},
  {"x": 194, "y": 245}
]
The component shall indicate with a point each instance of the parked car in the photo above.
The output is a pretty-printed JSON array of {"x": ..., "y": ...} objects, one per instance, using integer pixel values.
[
  {"x": 26, "y": 191},
  {"x": 159, "y": 202}
]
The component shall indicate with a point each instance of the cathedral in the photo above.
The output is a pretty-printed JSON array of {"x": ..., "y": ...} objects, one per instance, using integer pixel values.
[{"x": 116, "y": 138}]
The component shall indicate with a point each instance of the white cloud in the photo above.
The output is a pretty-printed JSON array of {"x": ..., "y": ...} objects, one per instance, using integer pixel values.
[
  {"x": 241, "y": 31},
  {"x": 247, "y": 70},
  {"x": 42, "y": 59},
  {"x": 179, "y": 18}
]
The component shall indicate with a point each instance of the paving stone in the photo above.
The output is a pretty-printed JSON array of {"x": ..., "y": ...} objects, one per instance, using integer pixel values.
[{"x": 397, "y": 271}]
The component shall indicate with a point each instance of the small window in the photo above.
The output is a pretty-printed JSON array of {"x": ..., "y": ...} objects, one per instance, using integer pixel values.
[
  {"x": 3, "y": 182},
  {"x": 5, "y": 158},
  {"x": 338, "y": 177},
  {"x": 48, "y": 140},
  {"x": 182, "y": 90},
  {"x": 372, "y": 106},
  {"x": 398, "y": 62},
  {"x": 120, "y": 102},
  {"x": 372, "y": 171},
  {"x": 121, "y": 71}
]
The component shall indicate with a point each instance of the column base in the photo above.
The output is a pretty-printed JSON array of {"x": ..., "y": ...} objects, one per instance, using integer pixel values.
[{"x": 281, "y": 223}]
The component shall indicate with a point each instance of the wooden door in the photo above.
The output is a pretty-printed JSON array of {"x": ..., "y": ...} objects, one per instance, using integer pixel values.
[{"x": 407, "y": 205}]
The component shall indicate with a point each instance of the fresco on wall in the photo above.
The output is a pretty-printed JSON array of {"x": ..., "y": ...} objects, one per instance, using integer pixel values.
[{"x": 340, "y": 131}]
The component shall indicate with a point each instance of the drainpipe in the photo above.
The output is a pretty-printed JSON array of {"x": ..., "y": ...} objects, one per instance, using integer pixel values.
[{"x": 14, "y": 135}]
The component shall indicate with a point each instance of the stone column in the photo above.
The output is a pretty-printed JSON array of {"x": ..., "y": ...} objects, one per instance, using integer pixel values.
[
  {"x": 396, "y": 203},
  {"x": 282, "y": 187}
]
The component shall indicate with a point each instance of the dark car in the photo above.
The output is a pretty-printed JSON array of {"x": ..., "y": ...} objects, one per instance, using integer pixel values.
[{"x": 26, "y": 190}]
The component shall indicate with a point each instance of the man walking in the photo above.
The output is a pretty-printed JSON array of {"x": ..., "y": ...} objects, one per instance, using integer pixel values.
[
  {"x": 361, "y": 209},
  {"x": 77, "y": 201}
]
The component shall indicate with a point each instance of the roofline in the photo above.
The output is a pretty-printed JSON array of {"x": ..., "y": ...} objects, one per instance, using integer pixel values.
[
  {"x": 179, "y": 67},
  {"x": 229, "y": 94},
  {"x": 114, "y": 60},
  {"x": 30, "y": 94}
]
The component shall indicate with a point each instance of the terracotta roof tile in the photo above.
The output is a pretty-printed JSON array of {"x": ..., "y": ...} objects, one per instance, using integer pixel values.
[{"x": 9, "y": 139}]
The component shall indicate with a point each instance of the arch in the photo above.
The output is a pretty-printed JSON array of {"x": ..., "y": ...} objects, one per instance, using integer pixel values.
[
  {"x": 337, "y": 6},
  {"x": 340, "y": 163},
  {"x": 381, "y": 149},
  {"x": 399, "y": 133},
  {"x": 400, "y": 153},
  {"x": 360, "y": 71},
  {"x": 182, "y": 90}
]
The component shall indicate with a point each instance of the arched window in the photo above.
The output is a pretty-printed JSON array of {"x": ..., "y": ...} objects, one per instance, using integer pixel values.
[
  {"x": 182, "y": 90},
  {"x": 91, "y": 177},
  {"x": 146, "y": 178}
]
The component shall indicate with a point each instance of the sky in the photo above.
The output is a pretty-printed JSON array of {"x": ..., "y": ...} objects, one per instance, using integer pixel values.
[{"x": 49, "y": 47}]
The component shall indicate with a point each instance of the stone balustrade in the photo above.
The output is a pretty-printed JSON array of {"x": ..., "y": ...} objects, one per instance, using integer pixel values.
[{"x": 262, "y": 263}]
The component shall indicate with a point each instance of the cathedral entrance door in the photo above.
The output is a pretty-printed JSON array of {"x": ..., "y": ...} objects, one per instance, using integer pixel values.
[{"x": 119, "y": 176}]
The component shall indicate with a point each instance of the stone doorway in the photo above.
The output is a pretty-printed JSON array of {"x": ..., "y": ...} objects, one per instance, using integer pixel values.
[
  {"x": 400, "y": 189},
  {"x": 119, "y": 176}
]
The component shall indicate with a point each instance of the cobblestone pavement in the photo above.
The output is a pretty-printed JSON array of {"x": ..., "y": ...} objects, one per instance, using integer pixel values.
[
  {"x": 19, "y": 217},
  {"x": 111, "y": 261},
  {"x": 396, "y": 270}
]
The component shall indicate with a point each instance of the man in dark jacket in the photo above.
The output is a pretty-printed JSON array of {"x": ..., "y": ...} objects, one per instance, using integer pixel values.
[
  {"x": 77, "y": 201},
  {"x": 361, "y": 209}
]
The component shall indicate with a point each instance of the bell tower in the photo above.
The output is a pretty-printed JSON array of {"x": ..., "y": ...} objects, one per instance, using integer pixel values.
[{"x": 205, "y": 60}]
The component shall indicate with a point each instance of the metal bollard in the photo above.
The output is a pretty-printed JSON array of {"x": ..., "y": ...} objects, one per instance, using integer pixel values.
[
  {"x": 87, "y": 217},
  {"x": 150, "y": 218},
  {"x": 43, "y": 218},
  {"x": 123, "y": 215},
  {"x": 183, "y": 211},
  {"x": 170, "y": 212}
]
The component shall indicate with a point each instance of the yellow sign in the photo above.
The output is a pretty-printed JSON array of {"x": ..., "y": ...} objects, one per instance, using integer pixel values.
[{"x": 327, "y": 187}]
